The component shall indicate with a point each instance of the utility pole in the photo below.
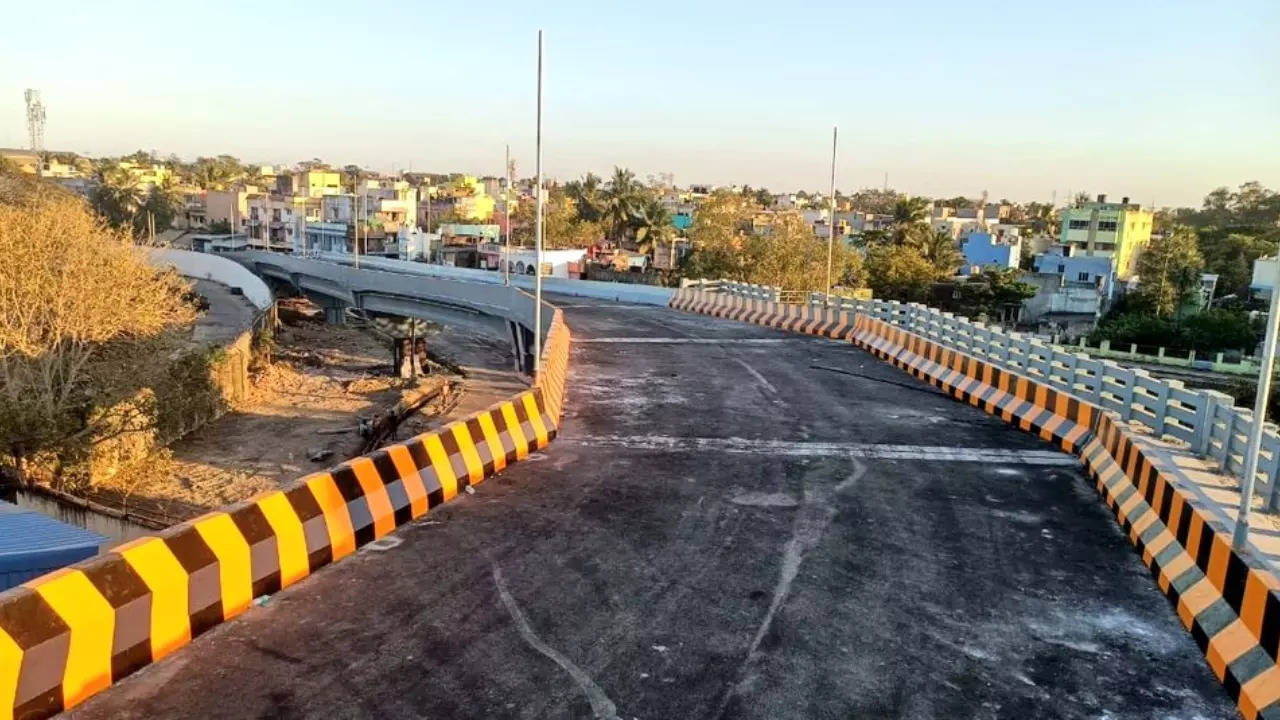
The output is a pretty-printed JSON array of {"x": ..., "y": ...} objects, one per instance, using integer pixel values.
[
  {"x": 537, "y": 273},
  {"x": 506, "y": 211},
  {"x": 831, "y": 221},
  {"x": 1241, "y": 534},
  {"x": 356, "y": 206}
]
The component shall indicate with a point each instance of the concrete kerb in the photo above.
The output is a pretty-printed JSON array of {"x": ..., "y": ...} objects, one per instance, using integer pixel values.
[
  {"x": 1228, "y": 600},
  {"x": 72, "y": 633}
]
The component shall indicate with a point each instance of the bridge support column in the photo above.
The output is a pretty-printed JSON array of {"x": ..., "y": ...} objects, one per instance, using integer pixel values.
[
  {"x": 335, "y": 314},
  {"x": 522, "y": 344}
]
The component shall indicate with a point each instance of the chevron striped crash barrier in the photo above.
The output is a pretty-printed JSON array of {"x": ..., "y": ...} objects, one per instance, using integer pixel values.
[
  {"x": 1227, "y": 599},
  {"x": 74, "y": 632}
]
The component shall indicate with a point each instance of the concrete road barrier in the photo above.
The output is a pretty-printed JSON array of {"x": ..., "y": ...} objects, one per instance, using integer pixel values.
[
  {"x": 1228, "y": 599},
  {"x": 74, "y": 632}
]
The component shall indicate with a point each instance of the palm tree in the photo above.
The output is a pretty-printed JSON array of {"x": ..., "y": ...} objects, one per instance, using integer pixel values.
[
  {"x": 620, "y": 203},
  {"x": 117, "y": 197},
  {"x": 908, "y": 213},
  {"x": 586, "y": 196},
  {"x": 941, "y": 251},
  {"x": 651, "y": 224}
]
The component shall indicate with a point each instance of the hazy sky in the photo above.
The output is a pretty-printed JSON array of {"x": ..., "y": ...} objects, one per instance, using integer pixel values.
[{"x": 1158, "y": 100}]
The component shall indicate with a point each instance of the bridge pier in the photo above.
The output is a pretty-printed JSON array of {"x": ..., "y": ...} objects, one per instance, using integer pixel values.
[{"x": 335, "y": 314}]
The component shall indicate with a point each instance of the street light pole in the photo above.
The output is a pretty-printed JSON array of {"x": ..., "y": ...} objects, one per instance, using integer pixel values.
[
  {"x": 831, "y": 240},
  {"x": 537, "y": 271},
  {"x": 506, "y": 211},
  {"x": 1241, "y": 535}
]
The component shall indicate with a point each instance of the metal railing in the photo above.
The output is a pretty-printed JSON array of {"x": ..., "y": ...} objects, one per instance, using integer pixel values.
[{"x": 1207, "y": 421}]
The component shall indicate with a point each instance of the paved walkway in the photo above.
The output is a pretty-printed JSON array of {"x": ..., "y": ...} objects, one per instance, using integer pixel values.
[{"x": 763, "y": 526}]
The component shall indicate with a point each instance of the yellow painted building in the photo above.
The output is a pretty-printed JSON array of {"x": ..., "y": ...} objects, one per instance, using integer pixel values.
[
  {"x": 317, "y": 183},
  {"x": 1119, "y": 231},
  {"x": 146, "y": 176}
]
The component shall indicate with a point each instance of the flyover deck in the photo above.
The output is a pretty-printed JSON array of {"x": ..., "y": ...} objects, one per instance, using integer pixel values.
[{"x": 733, "y": 523}]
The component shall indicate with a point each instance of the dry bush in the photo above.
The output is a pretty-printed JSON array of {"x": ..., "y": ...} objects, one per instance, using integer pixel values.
[{"x": 69, "y": 287}]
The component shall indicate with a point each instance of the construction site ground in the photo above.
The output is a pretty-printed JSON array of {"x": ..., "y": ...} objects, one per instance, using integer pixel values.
[{"x": 308, "y": 403}]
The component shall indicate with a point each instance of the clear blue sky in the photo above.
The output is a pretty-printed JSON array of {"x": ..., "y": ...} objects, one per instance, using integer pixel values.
[{"x": 1161, "y": 101}]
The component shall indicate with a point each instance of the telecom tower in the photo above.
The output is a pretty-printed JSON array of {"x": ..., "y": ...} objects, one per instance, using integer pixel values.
[{"x": 35, "y": 119}]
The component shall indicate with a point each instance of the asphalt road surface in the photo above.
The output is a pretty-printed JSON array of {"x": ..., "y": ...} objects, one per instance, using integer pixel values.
[{"x": 734, "y": 523}]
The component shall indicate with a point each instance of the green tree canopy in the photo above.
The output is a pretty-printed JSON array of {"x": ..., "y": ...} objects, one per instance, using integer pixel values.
[
  {"x": 787, "y": 254},
  {"x": 900, "y": 272},
  {"x": 1169, "y": 273}
]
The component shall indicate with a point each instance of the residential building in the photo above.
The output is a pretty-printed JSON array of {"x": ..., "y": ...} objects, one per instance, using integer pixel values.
[
  {"x": 147, "y": 176},
  {"x": 786, "y": 201},
  {"x": 1075, "y": 267},
  {"x": 392, "y": 204},
  {"x": 414, "y": 244},
  {"x": 231, "y": 242},
  {"x": 192, "y": 215},
  {"x": 457, "y": 233},
  {"x": 981, "y": 250},
  {"x": 312, "y": 183},
  {"x": 337, "y": 208},
  {"x": 229, "y": 206},
  {"x": 1265, "y": 272},
  {"x": 273, "y": 221},
  {"x": 1073, "y": 290},
  {"x": 334, "y": 237},
  {"x": 1118, "y": 231}
]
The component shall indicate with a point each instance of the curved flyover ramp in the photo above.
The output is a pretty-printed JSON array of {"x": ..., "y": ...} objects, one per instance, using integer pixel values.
[{"x": 733, "y": 522}]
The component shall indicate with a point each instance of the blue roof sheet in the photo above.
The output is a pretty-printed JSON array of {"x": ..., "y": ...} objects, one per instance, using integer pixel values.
[{"x": 31, "y": 539}]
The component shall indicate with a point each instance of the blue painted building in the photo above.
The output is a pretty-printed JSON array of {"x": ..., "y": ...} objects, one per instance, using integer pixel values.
[
  {"x": 32, "y": 544},
  {"x": 1095, "y": 270},
  {"x": 682, "y": 220},
  {"x": 983, "y": 250}
]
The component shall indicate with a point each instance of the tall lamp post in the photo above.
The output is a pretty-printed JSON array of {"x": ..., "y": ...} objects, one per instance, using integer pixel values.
[
  {"x": 831, "y": 239},
  {"x": 537, "y": 272},
  {"x": 1241, "y": 535}
]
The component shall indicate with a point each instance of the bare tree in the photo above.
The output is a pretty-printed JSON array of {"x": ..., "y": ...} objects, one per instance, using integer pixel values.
[{"x": 72, "y": 289}]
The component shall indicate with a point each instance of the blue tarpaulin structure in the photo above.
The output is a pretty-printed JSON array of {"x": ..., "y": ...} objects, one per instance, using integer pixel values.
[{"x": 32, "y": 544}]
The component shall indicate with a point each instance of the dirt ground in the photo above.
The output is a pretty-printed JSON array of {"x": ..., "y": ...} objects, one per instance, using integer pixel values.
[{"x": 324, "y": 379}]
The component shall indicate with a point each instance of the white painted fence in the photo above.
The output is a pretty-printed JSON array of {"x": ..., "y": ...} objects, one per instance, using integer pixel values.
[{"x": 1206, "y": 420}]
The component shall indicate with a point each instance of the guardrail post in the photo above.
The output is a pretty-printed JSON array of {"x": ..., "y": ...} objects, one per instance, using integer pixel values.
[
  {"x": 1161, "y": 391},
  {"x": 1124, "y": 390},
  {"x": 1207, "y": 417}
]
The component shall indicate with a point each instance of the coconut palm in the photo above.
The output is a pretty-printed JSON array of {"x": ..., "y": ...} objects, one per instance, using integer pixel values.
[
  {"x": 586, "y": 196},
  {"x": 117, "y": 197},
  {"x": 651, "y": 223},
  {"x": 908, "y": 214},
  {"x": 620, "y": 200}
]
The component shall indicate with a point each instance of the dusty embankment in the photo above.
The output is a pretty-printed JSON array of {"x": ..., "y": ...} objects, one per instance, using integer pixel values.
[{"x": 310, "y": 407}]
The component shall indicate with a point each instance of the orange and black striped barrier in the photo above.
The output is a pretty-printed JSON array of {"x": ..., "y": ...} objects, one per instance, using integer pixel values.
[
  {"x": 74, "y": 632},
  {"x": 1226, "y": 598}
]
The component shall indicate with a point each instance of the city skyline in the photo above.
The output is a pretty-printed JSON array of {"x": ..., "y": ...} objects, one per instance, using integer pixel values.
[{"x": 1162, "y": 107}]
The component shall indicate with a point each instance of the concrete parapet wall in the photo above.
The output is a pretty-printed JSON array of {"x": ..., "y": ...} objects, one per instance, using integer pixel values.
[
  {"x": 74, "y": 632},
  {"x": 1205, "y": 420},
  {"x": 620, "y": 292},
  {"x": 216, "y": 268},
  {"x": 1227, "y": 598}
]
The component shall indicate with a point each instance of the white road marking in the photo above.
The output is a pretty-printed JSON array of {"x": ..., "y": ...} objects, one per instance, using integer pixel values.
[
  {"x": 601, "y": 706},
  {"x": 611, "y": 306},
  {"x": 873, "y": 451},
  {"x": 755, "y": 374},
  {"x": 680, "y": 340}
]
